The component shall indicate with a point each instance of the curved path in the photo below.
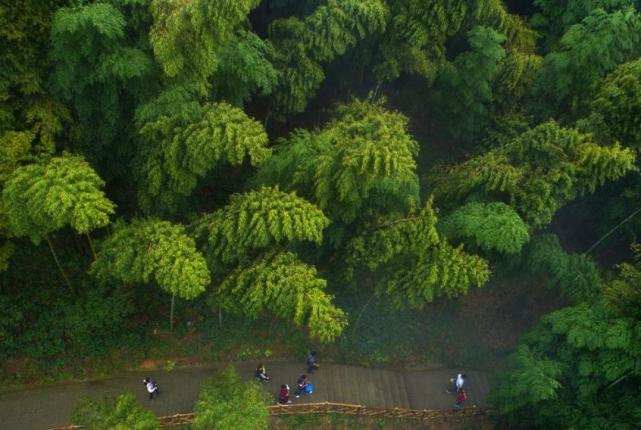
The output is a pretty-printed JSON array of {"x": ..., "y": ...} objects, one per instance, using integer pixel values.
[{"x": 42, "y": 408}]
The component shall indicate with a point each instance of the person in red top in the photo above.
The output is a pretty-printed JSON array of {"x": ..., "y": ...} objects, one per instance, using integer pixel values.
[
  {"x": 283, "y": 396},
  {"x": 460, "y": 397}
]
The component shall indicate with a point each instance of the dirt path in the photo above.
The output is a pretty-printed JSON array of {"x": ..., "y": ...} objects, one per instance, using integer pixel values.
[{"x": 42, "y": 408}]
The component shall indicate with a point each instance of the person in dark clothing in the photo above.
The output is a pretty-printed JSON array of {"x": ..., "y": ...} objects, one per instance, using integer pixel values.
[
  {"x": 283, "y": 396},
  {"x": 152, "y": 388},
  {"x": 261, "y": 374},
  {"x": 312, "y": 362},
  {"x": 301, "y": 385}
]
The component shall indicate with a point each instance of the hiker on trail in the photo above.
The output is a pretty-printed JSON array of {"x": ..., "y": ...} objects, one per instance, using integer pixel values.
[
  {"x": 460, "y": 397},
  {"x": 283, "y": 396},
  {"x": 312, "y": 362},
  {"x": 261, "y": 374},
  {"x": 303, "y": 386},
  {"x": 460, "y": 380},
  {"x": 457, "y": 383},
  {"x": 152, "y": 387}
]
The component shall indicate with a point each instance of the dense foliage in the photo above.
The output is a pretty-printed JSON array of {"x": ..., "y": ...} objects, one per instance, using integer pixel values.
[
  {"x": 289, "y": 159},
  {"x": 578, "y": 363},
  {"x": 119, "y": 413},
  {"x": 226, "y": 402}
]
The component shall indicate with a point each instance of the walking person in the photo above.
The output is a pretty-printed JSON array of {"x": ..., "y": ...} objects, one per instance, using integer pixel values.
[
  {"x": 283, "y": 395},
  {"x": 261, "y": 374},
  {"x": 457, "y": 383},
  {"x": 460, "y": 397},
  {"x": 312, "y": 362},
  {"x": 152, "y": 388},
  {"x": 303, "y": 386}
]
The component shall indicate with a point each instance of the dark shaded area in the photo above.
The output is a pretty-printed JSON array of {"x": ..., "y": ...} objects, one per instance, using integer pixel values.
[{"x": 521, "y": 7}]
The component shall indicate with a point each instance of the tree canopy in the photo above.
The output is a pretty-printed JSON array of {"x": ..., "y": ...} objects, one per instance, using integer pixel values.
[
  {"x": 309, "y": 166},
  {"x": 41, "y": 198},
  {"x": 153, "y": 250},
  {"x": 492, "y": 226},
  {"x": 539, "y": 171},
  {"x": 618, "y": 102},
  {"x": 589, "y": 50},
  {"x": 177, "y": 151}
]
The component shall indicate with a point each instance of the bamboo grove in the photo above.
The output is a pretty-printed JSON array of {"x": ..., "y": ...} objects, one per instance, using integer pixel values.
[{"x": 264, "y": 157}]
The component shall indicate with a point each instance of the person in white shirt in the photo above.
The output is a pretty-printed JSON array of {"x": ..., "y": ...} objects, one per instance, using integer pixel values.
[
  {"x": 152, "y": 387},
  {"x": 460, "y": 380},
  {"x": 457, "y": 383}
]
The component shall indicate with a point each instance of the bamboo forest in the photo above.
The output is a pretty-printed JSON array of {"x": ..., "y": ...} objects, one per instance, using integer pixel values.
[{"x": 415, "y": 214}]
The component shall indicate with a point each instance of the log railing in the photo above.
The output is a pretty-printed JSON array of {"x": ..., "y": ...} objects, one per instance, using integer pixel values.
[
  {"x": 359, "y": 410},
  {"x": 335, "y": 408}
]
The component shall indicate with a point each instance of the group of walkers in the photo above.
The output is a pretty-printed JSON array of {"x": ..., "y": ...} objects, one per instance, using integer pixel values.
[
  {"x": 303, "y": 384},
  {"x": 457, "y": 387}
]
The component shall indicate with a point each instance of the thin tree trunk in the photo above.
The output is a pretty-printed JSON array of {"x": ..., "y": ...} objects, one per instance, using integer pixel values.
[
  {"x": 93, "y": 250},
  {"x": 360, "y": 314},
  {"x": 171, "y": 313},
  {"x": 266, "y": 120},
  {"x": 220, "y": 316},
  {"x": 55, "y": 257},
  {"x": 612, "y": 231}
]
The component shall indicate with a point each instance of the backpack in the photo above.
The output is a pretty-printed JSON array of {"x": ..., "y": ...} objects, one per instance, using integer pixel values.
[{"x": 309, "y": 388}]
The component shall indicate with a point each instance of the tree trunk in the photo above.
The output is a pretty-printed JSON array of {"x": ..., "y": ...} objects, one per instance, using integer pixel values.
[
  {"x": 93, "y": 250},
  {"x": 612, "y": 231},
  {"x": 220, "y": 316},
  {"x": 62, "y": 272},
  {"x": 171, "y": 313},
  {"x": 360, "y": 314}
]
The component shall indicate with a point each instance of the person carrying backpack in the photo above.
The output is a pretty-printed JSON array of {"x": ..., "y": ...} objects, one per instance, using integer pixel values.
[
  {"x": 302, "y": 386},
  {"x": 152, "y": 387}
]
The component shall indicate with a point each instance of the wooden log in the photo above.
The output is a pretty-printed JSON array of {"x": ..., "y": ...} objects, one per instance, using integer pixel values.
[{"x": 335, "y": 408}]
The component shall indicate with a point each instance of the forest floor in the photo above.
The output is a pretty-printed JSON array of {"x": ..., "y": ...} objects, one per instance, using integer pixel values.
[
  {"x": 41, "y": 408},
  {"x": 476, "y": 331}
]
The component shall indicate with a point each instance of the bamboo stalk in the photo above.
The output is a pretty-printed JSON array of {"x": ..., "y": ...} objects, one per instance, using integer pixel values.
[
  {"x": 93, "y": 250},
  {"x": 171, "y": 313},
  {"x": 612, "y": 231},
  {"x": 62, "y": 272}
]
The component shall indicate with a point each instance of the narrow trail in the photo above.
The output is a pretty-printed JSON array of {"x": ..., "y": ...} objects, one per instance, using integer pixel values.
[{"x": 42, "y": 408}]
